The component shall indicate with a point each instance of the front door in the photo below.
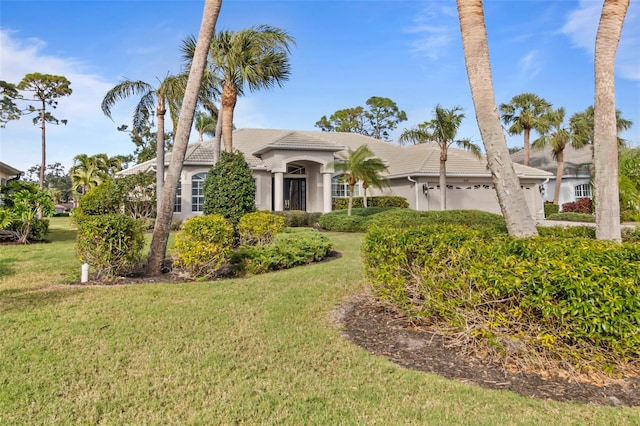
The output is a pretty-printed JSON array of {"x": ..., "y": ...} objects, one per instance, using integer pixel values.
[{"x": 295, "y": 194}]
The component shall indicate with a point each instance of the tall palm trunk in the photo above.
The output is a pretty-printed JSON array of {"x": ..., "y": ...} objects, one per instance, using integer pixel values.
[
  {"x": 228, "y": 101},
  {"x": 443, "y": 178},
  {"x": 559, "y": 174},
  {"x": 163, "y": 220},
  {"x": 160, "y": 113},
  {"x": 527, "y": 145},
  {"x": 605, "y": 135},
  {"x": 513, "y": 205},
  {"x": 217, "y": 141}
]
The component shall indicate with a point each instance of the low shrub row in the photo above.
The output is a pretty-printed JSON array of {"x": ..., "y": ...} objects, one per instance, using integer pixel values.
[
  {"x": 550, "y": 208},
  {"x": 573, "y": 217},
  {"x": 575, "y": 300},
  {"x": 363, "y": 219},
  {"x": 298, "y": 218},
  {"x": 381, "y": 201},
  {"x": 581, "y": 205}
]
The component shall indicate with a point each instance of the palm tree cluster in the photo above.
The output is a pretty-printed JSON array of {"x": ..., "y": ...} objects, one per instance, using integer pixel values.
[{"x": 88, "y": 171}]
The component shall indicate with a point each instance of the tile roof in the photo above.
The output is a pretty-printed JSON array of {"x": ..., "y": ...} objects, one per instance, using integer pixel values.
[{"x": 576, "y": 161}]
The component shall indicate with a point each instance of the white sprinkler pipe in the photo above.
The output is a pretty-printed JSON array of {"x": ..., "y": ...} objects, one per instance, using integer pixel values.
[
  {"x": 84, "y": 276},
  {"x": 415, "y": 184}
]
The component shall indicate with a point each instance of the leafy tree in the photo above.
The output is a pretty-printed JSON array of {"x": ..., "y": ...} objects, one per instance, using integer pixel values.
[
  {"x": 168, "y": 94},
  {"x": 522, "y": 114},
  {"x": 146, "y": 141},
  {"x": 604, "y": 129},
  {"x": 360, "y": 165},
  {"x": 229, "y": 188},
  {"x": 162, "y": 226},
  {"x": 45, "y": 89},
  {"x": 254, "y": 58},
  {"x": 513, "y": 205},
  {"x": 205, "y": 125},
  {"x": 381, "y": 117},
  {"x": 442, "y": 130},
  {"x": 558, "y": 137},
  {"x": 8, "y": 108},
  {"x": 57, "y": 181}
]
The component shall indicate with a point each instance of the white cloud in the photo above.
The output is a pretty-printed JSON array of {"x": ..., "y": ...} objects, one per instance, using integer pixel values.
[
  {"x": 434, "y": 40},
  {"x": 88, "y": 130},
  {"x": 530, "y": 65},
  {"x": 581, "y": 27}
]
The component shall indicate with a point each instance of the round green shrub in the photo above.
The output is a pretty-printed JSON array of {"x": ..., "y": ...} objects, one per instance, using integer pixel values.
[
  {"x": 103, "y": 199},
  {"x": 203, "y": 247},
  {"x": 112, "y": 244},
  {"x": 229, "y": 188},
  {"x": 259, "y": 228}
]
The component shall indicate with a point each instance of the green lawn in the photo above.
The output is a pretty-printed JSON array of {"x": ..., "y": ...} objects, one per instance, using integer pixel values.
[{"x": 261, "y": 350}]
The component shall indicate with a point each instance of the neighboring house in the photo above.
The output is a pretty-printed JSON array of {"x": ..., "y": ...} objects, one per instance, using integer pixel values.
[
  {"x": 294, "y": 170},
  {"x": 8, "y": 173},
  {"x": 575, "y": 179}
]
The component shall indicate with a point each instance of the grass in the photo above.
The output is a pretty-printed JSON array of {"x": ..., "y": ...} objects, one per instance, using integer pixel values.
[{"x": 261, "y": 350}]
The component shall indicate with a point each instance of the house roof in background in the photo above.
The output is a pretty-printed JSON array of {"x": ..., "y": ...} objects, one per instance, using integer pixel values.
[
  {"x": 414, "y": 160},
  {"x": 576, "y": 161},
  {"x": 8, "y": 170}
]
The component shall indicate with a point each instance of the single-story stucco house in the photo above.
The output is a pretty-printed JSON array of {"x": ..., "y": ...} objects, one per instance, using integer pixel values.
[
  {"x": 293, "y": 170},
  {"x": 8, "y": 173},
  {"x": 576, "y": 178}
]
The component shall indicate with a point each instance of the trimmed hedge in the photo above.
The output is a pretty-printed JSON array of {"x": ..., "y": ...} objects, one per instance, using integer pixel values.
[
  {"x": 550, "y": 208},
  {"x": 298, "y": 218},
  {"x": 288, "y": 250},
  {"x": 112, "y": 244},
  {"x": 381, "y": 201},
  {"x": 573, "y": 217},
  {"x": 581, "y": 205},
  {"x": 576, "y": 298},
  {"x": 259, "y": 228}
]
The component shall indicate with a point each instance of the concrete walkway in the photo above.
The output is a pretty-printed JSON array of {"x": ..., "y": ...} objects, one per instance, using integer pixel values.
[{"x": 565, "y": 223}]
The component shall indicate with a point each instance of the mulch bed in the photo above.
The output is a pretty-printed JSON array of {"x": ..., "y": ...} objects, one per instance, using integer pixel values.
[{"x": 383, "y": 332}]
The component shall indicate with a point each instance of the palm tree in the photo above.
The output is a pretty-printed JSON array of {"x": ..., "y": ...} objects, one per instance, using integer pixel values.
[
  {"x": 442, "y": 130},
  {"x": 513, "y": 205},
  {"x": 205, "y": 125},
  {"x": 629, "y": 179},
  {"x": 523, "y": 113},
  {"x": 604, "y": 129},
  {"x": 162, "y": 226},
  {"x": 168, "y": 94},
  {"x": 85, "y": 173},
  {"x": 360, "y": 165},
  {"x": 558, "y": 137},
  {"x": 253, "y": 58}
]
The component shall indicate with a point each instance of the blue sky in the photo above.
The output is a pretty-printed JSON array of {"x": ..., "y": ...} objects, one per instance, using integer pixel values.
[{"x": 346, "y": 52}]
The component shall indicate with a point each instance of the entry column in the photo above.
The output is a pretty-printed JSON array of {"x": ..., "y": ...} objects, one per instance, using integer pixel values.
[
  {"x": 278, "y": 191},
  {"x": 326, "y": 192}
]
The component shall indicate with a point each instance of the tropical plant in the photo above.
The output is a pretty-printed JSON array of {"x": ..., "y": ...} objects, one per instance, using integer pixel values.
[
  {"x": 442, "y": 130},
  {"x": 523, "y": 113},
  {"x": 46, "y": 90},
  {"x": 162, "y": 226},
  {"x": 604, "y": 129},
  {"x": 381, "y": 117},
  {"x": 253, "y": 58},
  {"x": 558, "y": 136},
  {"x": 581, "y": 124},
  {"x": 23, "y": 204},
  {"x": 629, "y": 180},
  {"x": 360, "y": 165},
  {"x": 168, "y": 94},
  {"x": 513, "y": 205},
  {"x": 88, "y": 171},
  {"x": 205, "y": 125}
]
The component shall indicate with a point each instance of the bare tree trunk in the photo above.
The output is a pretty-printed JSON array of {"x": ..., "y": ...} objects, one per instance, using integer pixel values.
[
  {"x": 163, "y": 220},
  {"x": 513, "y": 205},
  {"x": 217, "y": 141},
  {"x": 228, "y": 102},
  {"x": 43, "y": 163},
  {"x": 443, "y": 179},
  {"x": 559, "y": 173},
  {"x": 605, "y": 135},
  {"x": 160, "y": 113},
  {"x": 527, "y": 145}
]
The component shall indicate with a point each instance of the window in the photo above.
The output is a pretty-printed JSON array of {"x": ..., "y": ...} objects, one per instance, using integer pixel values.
[
  {"x": 177, "y": 203},
  {"x": 197, "y": 192},
  {"x": 582, "y": 191},
  {"x": 340, "y": 189},
  {"x": 296, "y": 169}
]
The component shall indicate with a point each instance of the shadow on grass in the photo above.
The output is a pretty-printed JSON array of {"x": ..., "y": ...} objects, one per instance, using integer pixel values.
[
  {"x": 33, "y": 298},
  {"x": 6, "y": 266},
  {"x": 60, "y": 235}
]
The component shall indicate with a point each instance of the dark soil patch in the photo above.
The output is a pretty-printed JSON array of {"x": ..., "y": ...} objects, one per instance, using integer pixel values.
[{"x": 384, "y": 332}]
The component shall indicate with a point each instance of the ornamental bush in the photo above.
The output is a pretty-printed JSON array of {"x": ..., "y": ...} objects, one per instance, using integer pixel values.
[
  {"x": 298, "y": 218},
  {"x": 573, "y": 217},
  {"x": 259, "y": 228},
  {"x": 112, "y": 244},
  {"x": 550, "y": 208},
  {"x": 288, "y": 250},
  {"x": 572, "y": 300},
  {"x": 581, "y": 205},
  {"x": 203, "y": 247},
  {"x": 103, "y": 199},
  {"x": 381, "y": 201},
  {"x": 229, "y": 188}
]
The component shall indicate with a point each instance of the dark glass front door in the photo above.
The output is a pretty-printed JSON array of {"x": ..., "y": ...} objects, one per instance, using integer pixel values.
[{"x": 295, "y": 194}]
